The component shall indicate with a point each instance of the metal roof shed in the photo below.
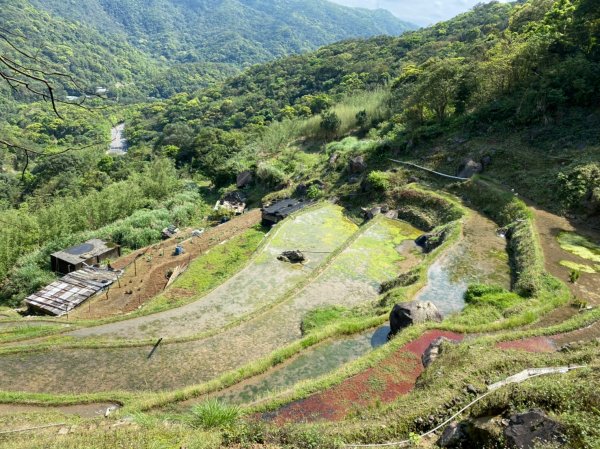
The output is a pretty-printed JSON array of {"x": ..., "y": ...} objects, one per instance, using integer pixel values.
[
  {"x": 89, "y": 253},
  {"x": 65, "y": 294},
  {"x": 281, "y": 210}
]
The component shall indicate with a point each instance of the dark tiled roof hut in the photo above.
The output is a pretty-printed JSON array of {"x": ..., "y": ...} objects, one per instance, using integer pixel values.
[
  {"x": 281, "y": 210},
  {"x": 89, "y": 253}
]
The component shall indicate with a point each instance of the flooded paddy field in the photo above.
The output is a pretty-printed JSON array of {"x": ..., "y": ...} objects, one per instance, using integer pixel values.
[
  {"x": 312, "y": 363},
  {"x": 351, "y": 278},
  {"x": 263, "y": 281},
  {"x": 479, "y": 257}
]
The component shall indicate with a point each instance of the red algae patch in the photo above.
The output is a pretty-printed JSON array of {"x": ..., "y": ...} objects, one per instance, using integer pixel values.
[
  {"x": 534, "y": 344},
  {"x": 394, "y": 376}
]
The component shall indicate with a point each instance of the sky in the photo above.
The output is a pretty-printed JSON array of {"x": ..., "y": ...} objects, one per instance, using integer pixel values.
[{"x": 420, "y": 12}]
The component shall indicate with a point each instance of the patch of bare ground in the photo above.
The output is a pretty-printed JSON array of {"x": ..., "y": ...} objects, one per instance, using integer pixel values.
[
  {"x": 587, "y": 287},
  {"x": 549, "y": 226}
]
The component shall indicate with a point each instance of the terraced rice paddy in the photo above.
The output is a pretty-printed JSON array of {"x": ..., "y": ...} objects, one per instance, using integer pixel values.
[
  {"x": 366, "y": 258},
  {"x": 478, "y": 258},
  {"x": 261, "y": 282},
  {"x": 311, "y": 364}
]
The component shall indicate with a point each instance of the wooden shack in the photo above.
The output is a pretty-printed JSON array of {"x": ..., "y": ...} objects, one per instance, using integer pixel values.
[
  {"x": 281, "y": 210},
  {"x": 89, "y": 253},
  {"x": 72, "y": 290}
]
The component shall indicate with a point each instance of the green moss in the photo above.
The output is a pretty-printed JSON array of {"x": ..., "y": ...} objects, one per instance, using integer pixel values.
[
  {"x": 579, "y": 245},
  {"x": 578, "y": 266}
]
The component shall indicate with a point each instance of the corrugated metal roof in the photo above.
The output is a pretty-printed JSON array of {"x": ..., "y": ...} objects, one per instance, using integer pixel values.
[{"x": 73, "y": 289}]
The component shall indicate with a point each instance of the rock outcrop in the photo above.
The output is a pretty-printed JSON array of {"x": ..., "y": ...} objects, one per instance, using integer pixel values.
[
  {"x": 357, "y": 165},
  {"x": 525, "y": 430},
  {"x": 434, "y": 350},
  {"x": 432, "y": 240},
  {"x": 294, "y": 256},
  {"x": 244, "y": 179},
  {"x": 468, "y": 168}
]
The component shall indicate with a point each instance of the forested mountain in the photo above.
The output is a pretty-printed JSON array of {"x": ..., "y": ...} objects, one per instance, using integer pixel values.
[
  {"x": 162, "y": 46},
  {"x": 231, "y": 31}
]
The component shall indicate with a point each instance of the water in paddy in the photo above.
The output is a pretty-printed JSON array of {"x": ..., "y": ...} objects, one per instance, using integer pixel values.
[
  {"x": 311, "y": 364},
  {"x": 447, "y": 294},
  {"x": 480, "y": 257}
]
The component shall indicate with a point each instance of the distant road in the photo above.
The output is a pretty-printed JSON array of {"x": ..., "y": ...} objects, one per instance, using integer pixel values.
[{"x": 118, "y": 144}]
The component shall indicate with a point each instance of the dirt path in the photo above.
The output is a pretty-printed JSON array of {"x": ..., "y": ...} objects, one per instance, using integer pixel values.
[{"x": 147, "y": 277}]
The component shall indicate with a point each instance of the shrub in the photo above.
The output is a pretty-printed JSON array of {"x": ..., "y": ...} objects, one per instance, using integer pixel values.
[
  {"x": 580, "y": 184},
  {"x": 330, "y": 122},
  {"x": 574, "y": 276},
  {"x": 270, "y": 174},
  {"x": 314, "y": 192},
  {"x": 379, "y": 180}
]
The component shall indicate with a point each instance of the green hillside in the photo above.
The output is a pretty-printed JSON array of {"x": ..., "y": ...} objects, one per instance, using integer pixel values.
[
  {"x": 232, "y": 31},
  {"x": 450, "y": 178}
]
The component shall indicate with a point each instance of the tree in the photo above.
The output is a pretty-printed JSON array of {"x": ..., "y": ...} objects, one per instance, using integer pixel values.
[
  {"x": 439, "y": 85},
  {"x": 330, "y": 123},
  {"x": 25, "y": 73}
]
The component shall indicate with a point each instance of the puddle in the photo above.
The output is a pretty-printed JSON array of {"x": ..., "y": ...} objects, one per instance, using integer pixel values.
[{"x": 317, "y": 362}]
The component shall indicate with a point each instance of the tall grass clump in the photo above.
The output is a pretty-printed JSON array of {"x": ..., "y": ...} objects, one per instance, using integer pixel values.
[{"x": 213, "y": 414}]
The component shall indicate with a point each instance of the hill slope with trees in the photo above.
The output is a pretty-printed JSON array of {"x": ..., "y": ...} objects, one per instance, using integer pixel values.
[{"x": 232, "y": 31}]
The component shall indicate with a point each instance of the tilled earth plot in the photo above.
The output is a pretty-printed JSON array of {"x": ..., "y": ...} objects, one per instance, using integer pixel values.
[
  {"x": 263, "y": 281},
  {"x": 346, "y": 280}
]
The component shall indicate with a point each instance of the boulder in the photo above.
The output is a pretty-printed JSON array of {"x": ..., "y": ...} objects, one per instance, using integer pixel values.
[
  {"x": 301, "y": 189},
  {"x": 234, "y": 197},
  {"x": 244, "y": 179},
  {"x": 468, "y": 168},
  {"x": 357, "y": 164},
  {"x": 294, "y": 256},
  {"x": 373, "y": 212},
  {"x": 333, "y": 159},
  {"x": 414, "y": 312},
  {"x": 486, "y": 161},
  {"x": 433, "y": 351},
  {"x": 393, "y": 214},
  {"x": 453, "y": 436},
  {"x": 525, "y": 430},
  {"x": 484, "y": 431},
  {"x": 432, "y": 240}
]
